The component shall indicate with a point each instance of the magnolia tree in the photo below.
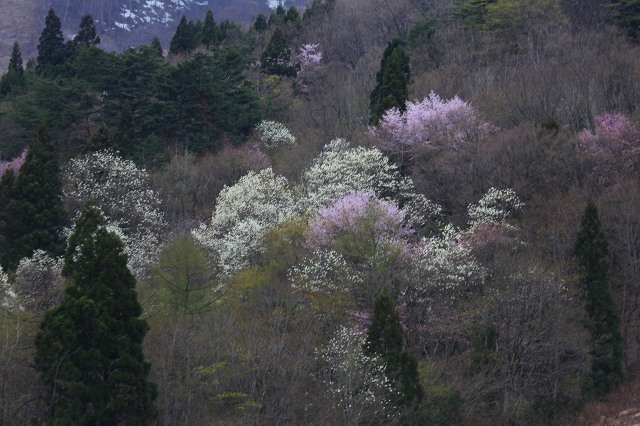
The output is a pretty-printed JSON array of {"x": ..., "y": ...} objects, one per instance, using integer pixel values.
[
  {"x": 357, "y": 383},
  {"x": 38, "y": 281},
  {"x": 340, "y": 170},
  {"x": 123, "y": 194},
  {"x": 424, "y": 122},
  {"x": 8, "y": 296},
  {"x": 275, "y": 135},
  {"x": 614, "y": 147},
  {"x": 243, "y": 213}
]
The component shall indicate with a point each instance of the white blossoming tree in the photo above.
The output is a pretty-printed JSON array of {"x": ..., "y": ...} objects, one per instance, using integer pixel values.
[
  {"x": 122, "y": 192},
  {"x": 275, "y": 135},
  {"x": 37, "y": 281},
  {"x": 8, "y": 297},
  {"x": 243, "y": 213},
  {"x": 341, "y": 169},
  {"x": 356, "y": 383}
]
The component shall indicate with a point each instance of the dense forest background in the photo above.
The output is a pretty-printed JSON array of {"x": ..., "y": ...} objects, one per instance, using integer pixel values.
[{"x": 352, "y": 212}]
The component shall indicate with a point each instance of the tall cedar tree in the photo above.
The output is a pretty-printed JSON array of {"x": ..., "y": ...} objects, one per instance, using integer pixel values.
[
  {"x": 7, "y": 186},
  {"x": 87, "y": 33},
  {"x": 385, "y": 339},
  {"x": 392, "y": 81},
  {"x": 14, "y": 76},
  {"x": 183, "y": 40},
  {"x": 276, "y": 58},
  {"x": 604, "y": 323},
  {"x": 51, "y": 49},
  {"x": 89, "y": 348},
  {"x": 34, "y": 213},
  {"x": 209, "y": 31}
]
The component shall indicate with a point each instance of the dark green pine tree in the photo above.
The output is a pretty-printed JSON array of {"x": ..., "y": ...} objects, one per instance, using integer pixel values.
[
  {"x": 157, "y": 46},
  {"x": 627, "y": 17},
  {"x": 209, "y": 31},
  {"x": 392, "y": 81},
  {"x": 385, "y": 338},
  {"x": 89, "y": 348},
  {"x": 51, "y": 50},
  {"x": 276, "y": 58},
  {"x": 100, "y": 140},
  {"x": 183, "y": 40},
  {"x": 87, "y": 33},
  {"x": 603, "y": 323},
  {"x": 125, "y": 137},
  {"x": 292, "y": 15},
  {"x": 14, "y": 77},
  {"x": 34, "y": 215},
  {"x": 261, "y": 23}
]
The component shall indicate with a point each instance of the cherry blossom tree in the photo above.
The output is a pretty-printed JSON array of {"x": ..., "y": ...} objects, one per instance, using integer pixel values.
[
  {"x": 13, "y": 164},
  {"x": 423, "y": 123},
  {"x": 613, "y": 147},
  {"x": 124, "y": 196},
  {"x": 38, "y": 281}
]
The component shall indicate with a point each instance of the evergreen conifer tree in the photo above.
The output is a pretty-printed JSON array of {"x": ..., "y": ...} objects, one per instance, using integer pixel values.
[
  {"x": 14, "y": 76},
  {"x": 604, "y": 323},
  {"x": 392, "y": 81},
  {"x": 100, "y": 140},
  {"x": 209, "y": 31},
  {"x": 87, "y": 33},
  {"x": 89, "y": 348},
  {"x": 34, "y": 214},
  {"x": 51, "y": 49},
  {"x": 385, "y": 338},
  {"x": 183, "y": 40},
  {"x": 276, "y": 58},
  {"x": 261, "y": 23},
  {"x": 157, "y": 46}
]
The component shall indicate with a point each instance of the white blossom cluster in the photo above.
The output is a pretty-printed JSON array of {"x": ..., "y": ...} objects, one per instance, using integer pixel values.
[
  {"x": 275, "y": 135},
  {"x": 38, "y": 279},
  {"x": 444, "y": 266},
  {"x": 122, "y": 192},
  {"x": 340, "y": 170},
  {"x": 324, "y": 271},
  {"x": 244, "y": 211},
  {"x": 496, "y": 206},
  {"x": 8, "y": 297},
  {"x": 357, "y": 382}
]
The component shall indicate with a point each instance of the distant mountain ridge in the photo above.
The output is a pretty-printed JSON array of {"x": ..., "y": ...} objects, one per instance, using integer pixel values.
[{"x": 120, "y": 23}]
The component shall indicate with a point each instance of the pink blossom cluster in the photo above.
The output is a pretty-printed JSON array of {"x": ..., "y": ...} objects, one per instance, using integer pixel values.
[
  {"x": 308, "y": 56},
  {"x": 614, "y": 146},
  {"x": 14, "y": 164},
  {"x": 432, "y": 118},
  {"x": 354, "y": 212}
]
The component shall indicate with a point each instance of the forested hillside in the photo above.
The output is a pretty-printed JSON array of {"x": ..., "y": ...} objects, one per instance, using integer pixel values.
[{"x": 351, "y": 212}]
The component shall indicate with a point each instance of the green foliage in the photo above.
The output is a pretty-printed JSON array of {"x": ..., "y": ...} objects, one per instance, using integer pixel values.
[
  {"x": 87, "y": 33},
  {"x": 100, "y": 140},
  {"x": 185, "y": 39},
  {"x": 604, "y": 324},
  {"x": 276, "y": 58},
  {"x": 292, "y": 15},
  {"x": 14, "y": 77},
  {"x": 627, "y": 17},
  {"x": 261, "y": 23},
  {"x": 34, "y": 211},
  {"x": 183, "y": 275},
  {"x": 472, "y": 12},
  {"x": 209, "y": 31},
  {"x": 392, "y": 81},
  {"x": 50, "y": 47},
  {"x": 155, "y": 45},
  {"x": 89, "y": 348},
  {"x": 385, "y": 338}
]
